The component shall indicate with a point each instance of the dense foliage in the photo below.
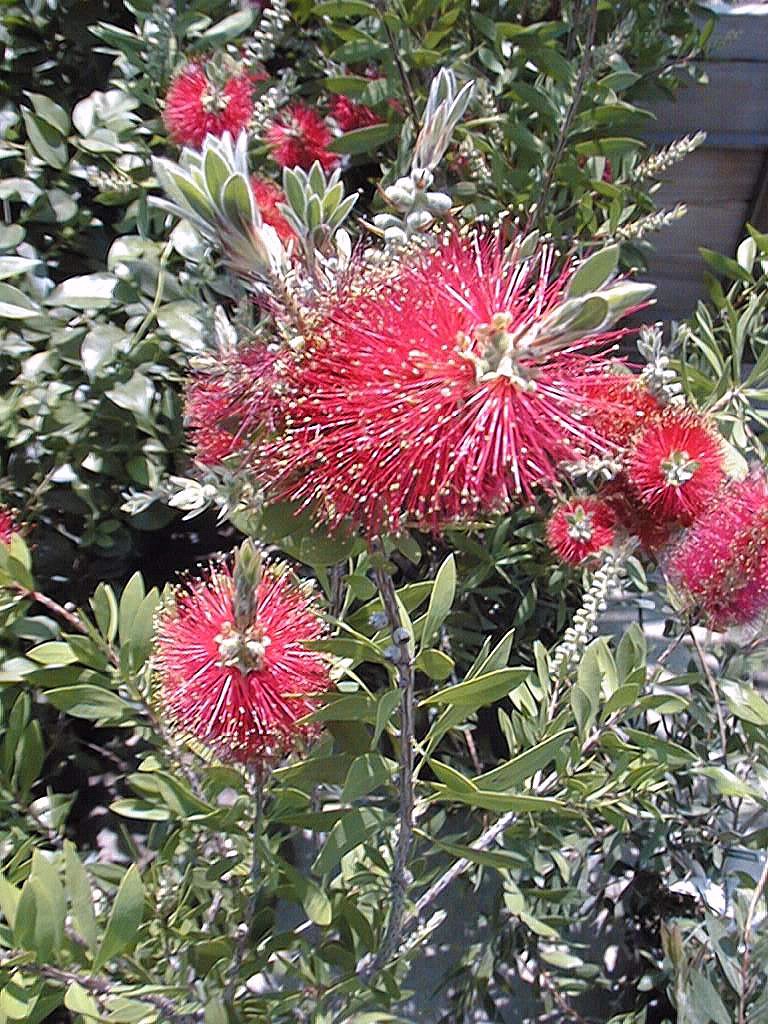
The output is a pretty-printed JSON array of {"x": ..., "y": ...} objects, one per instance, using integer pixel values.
[{"x": 585, "y": 809}]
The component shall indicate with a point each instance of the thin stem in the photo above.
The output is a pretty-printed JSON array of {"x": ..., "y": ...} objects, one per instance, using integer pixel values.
[
  {"x": 63, "y": 614},
  {"x": 712, "y": 683},
  {"x": 565, "y": 127},
  {"x": 400, "y": 879},
  {"x": 256, "y": 788},
  {"x": 156, "y": 302},
  {"x": 407, "y": 89},
  {"x": 746, "y": 957},
  {"x": 100, "y": 987},
  {"x": 483, "y": 841}
]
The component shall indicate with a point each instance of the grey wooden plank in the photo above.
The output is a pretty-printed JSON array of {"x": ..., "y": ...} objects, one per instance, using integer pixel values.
[
  {"x": 713, "y": 175},
  {"x": 741, "y": 33},
  {"x": 732, "y": 104},
  {"x": 676, "y": 298},
  {"x": 717, "y": 226}
]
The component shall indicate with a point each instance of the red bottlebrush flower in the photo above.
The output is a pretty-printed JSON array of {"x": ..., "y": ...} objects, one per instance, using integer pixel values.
[
  {"x": 299, "y": 137},
  {"x": 224, "y": 410},
  {"x": 430, "y": 399},
  {"x": 580, "y": 528},
  {"x": 618, "y": 405},
  {"x": 720, "y": 565},
  {"x": 349, "y": 115},
  {"x": 652, "y": 533},
  {"x": 239, "y": 693},
  {"x": 196, "y": 107},
  {"x": 9, "y": 528},
  {"x": 267, "y": 195},
  {"x": 676, "y": 466}
]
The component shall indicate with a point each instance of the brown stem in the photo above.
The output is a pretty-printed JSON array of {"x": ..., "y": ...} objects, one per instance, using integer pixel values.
[
  {"x": 565, "y": 127},
  {"x": 99, "y": 986},
  {"x": 400, "y": 879},
  {"x": 61, "y": 613}
]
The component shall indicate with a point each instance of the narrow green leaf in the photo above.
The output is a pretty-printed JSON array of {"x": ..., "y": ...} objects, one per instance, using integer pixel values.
[
  {"x": 80, "y": 896},
  {"x": 440, "y": 602},
  {"x": 124, "y": 920},
  {"x": 366, "y": 773},
  {"x": 481, "y": 690},
  {"x": 522, "y": 767}
]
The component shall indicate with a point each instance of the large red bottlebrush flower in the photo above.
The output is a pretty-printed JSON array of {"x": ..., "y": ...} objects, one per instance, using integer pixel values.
[
  {"x": 349, "y": 115},
  {"x": 239, "y": 693},
  {"x": 267, "y": 195},
  {"x": 299, "y": 137},
  {"x": 9, "y": 527},
  {"x": 225, "y": 409},
  {"x": 430, "y": 398},
  {"x": 618, "y": 405},
  {"x": 195, "y": 106},
  {"x": 675, "y": 466},
  {"x": 720, "y": 565},
  {"x": 581, "y": 527}
]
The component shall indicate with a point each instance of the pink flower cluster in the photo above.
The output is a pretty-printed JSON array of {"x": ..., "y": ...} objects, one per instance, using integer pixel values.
[
  {"x": 204, "y": 101},
  {"x": 674, "y": 494}
]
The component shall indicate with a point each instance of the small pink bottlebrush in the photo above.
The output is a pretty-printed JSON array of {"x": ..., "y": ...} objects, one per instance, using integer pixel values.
[
  {"x": 224, "y": 409},
  {"x": 196, "y": 106},
  {"x": 300, "y": 136},
  {"x": 618, "y": 405},
  {"x": 675, "y": 466},
  {"x": 350, "y": 115},
  {"x": 720, "y": 565},
  {"x": 445, "y": 392},
  {"x": 236, "y": 689},
  {"x": 580, "y": 528},
  {"x": 267, "y": 195}
]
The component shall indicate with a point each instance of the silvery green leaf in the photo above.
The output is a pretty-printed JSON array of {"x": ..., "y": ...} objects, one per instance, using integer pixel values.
[
  {"x": 594, "y": 272},
  {"x": 314, "y": 214},
  {"x": 332, "y": 198},
  {"x": 625, "y": 295},
  {"x": 316, "y": 178},
  {"x": 341, "y": 212},
  {"x": 527, "y": 246},
  {"x": 237, "y": 203},
  {"x": 216, "y": 174},
  {"x": 294, "y": 192}
]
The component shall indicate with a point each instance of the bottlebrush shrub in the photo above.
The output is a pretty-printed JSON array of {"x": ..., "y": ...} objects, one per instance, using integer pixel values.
[{"x": 481, "y": 737}]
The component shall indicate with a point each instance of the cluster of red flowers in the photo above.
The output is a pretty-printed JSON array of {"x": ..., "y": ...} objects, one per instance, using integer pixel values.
[
  {"x": 720, "y": 565},
  {"x": 196, "y": 105},
  {"x": 9, "y": 526},
  {"x": 299, "y": 136},
  {"x": 709, "y": 531},
  {"x": 438, "y": 393},
  {"x": 240, "y": 692},
  {"x": 204, "y": 101}
]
